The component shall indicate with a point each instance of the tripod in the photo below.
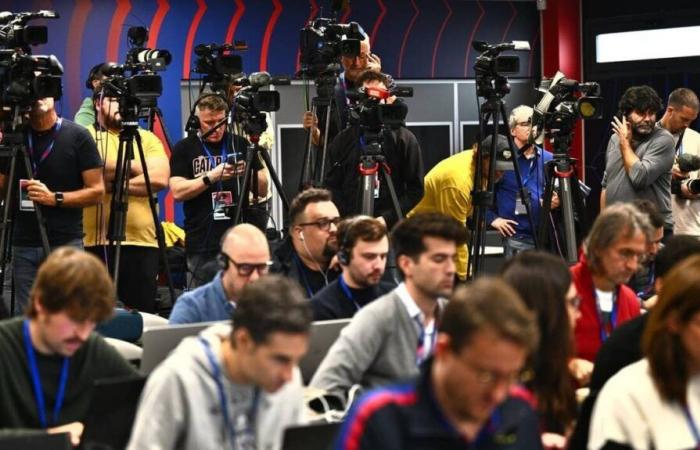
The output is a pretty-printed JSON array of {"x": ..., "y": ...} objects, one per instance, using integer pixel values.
[
  {"x": 372, "y": 162},
  {"x": 254, "y": 126},
  {"x": 483, "y": 197},
  {"x": 562, "y": 168},
  {"x": 311, "y": 174},
  {"x": 120, "y": 196},
  {"x": 13, "y": 147}
]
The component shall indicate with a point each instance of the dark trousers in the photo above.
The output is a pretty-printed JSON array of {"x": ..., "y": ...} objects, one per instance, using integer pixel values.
[{"x": 138, "y": 274}]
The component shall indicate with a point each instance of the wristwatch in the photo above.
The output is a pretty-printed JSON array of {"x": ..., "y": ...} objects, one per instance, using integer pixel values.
[
  {"x": 59, "y": 199},
  {"x": 206, "y": 179}
]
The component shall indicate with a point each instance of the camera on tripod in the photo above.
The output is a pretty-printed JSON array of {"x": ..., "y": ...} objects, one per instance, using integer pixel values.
[
  {"x": 372, "y": 112},
  {"x": 322, "y": 43},
  {"x": 251, "y": 103},
  {"x": 25, "y": 78},
  {"x": 135, "y": 83},
  {"x": 564, "y": 101},
  {"x": 490, "y": 66},
  {"x": 219, "y": 64},
  {"x": 687, "y": 163}
]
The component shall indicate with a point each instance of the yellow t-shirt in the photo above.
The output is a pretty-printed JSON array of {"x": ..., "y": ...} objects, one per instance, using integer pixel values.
[
  {"x": 140, "y": 229},
  {"x": 448, "y": 190}
]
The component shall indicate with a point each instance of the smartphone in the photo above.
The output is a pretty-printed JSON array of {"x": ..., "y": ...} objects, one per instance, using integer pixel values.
[{"x": 234, "y": 158}]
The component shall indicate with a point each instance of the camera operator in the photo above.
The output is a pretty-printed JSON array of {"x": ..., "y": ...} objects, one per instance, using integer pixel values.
[
  {"x": 403, "y": 157},
  {"x": 509, "y": 216},
  {"x": 639, "y": 155},
  {"x": 353, "y": 67},
  {"x": 681, "y": 111},
  {"x": 85, "y": 115},
  {"x": 138, "y": 269},
  {"x": 204, "y": 175},
  {"x": 67, "y": 177}
]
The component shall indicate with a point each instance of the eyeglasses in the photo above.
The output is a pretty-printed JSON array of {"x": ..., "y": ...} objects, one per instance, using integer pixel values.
[
  {"x": 524, "y": 124},
  {"x": 246, "y": 269},
  {"x": 487, "y": 377},
  {"x": 323, "y": 224}
]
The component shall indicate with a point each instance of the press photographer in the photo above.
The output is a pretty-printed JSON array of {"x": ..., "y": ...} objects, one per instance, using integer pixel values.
[
  {"x": 53, "y": 169},
  {"x": 377, "y": 131},
  {"x": 681, "y": 111}
]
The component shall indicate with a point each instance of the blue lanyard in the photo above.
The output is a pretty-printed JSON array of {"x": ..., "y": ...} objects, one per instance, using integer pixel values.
[
  {"x": 211, "y": 158},
  {"x": 36, "y": 381},
  {"x": 693, "y": 427},
  {"x": 45, "y": 154},
  {"x": 216, "y": 372},
  {"x": 613, "y": 316},
  {"x": 532, "y": 169},
  {"x": 346, "y": 290},
  {"x": 421, "y": 352}
]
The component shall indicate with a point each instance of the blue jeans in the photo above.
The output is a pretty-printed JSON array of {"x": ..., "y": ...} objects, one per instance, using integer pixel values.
[
  {"x": 25, "y": 263},
  {"x": 512, "y": 246}
]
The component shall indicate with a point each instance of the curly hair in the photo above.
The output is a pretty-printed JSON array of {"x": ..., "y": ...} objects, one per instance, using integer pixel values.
[{"x": 641, "y": 99}]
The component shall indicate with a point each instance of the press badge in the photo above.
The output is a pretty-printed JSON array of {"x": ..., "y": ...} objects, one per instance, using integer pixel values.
[
  {"x": 24, "y": 203},
  {"x": 219, "y": 201},
  {"x": 519, "y": 207}
]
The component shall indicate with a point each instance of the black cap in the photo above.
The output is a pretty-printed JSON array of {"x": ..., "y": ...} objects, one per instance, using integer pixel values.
[
  {"x": 97, "y": 71},
  {"x": 504, "y": 155}
]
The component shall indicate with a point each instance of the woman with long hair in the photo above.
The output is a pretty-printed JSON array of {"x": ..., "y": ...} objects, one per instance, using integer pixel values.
[
  {"x": 655, "y": 402},
  {"x": 544, "y": 283}
]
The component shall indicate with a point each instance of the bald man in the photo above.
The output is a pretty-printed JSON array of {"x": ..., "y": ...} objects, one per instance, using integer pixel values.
[{"x": 244, "y": 257}]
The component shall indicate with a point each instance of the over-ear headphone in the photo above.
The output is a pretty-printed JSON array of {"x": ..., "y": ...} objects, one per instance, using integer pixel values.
[
  {"x": 222, "y": 261},
  {"x": 344, "y": 252}
]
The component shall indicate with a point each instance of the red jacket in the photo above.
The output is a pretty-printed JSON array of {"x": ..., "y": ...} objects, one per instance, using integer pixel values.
[{"x": 587, "y": 330}]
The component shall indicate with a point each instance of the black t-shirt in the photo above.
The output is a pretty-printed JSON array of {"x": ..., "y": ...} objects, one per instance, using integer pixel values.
[
  {"x": 189, "y": 160},
  {"x": 73, "y": 152},
  {"x": 332, "y": 302}
]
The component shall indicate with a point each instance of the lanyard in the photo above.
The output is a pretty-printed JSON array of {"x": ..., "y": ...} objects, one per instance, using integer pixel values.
[
  {"x": 36, "y": 381},
  {"x": 531, "y": 170},
  {"x": 693, "y": 427},
  {"x": 346, "y": 290},
  {"x": 421, "y": 352},
  {"x": 212, "y": 160},
  {"x": 604, "y": 334},
  {"x": 216, "y": 372},
  {"x": 679, "y": 144},
  {"x": 45, "y": 154}
]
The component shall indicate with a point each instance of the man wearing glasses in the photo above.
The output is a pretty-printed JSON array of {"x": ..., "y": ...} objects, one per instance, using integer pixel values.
[
  {"x": 509, "y": 215},
  {"x": 305, "y": 254},
  {"x": 612, "y": 253},
  {"x": 462, "y": 397},
  {"x": 244, "y": 257}
]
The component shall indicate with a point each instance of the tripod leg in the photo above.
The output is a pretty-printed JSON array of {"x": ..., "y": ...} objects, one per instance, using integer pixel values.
[
  {"x": 38, "y": 211},
  {"x": 119, "y": 206},
  {"x": 275, "y": 179},
  {"x": 324, "y": 148},
  {"x": 5, "y": 244},
  {"x": 245, "y": 188},
  {"x": 546, "y": 204},
  {"x": 307, "y": 170},
  {"x": 392, "y": 192},
  {"x": 369, "y": 181},
  {"x": 160, "y": 236}
]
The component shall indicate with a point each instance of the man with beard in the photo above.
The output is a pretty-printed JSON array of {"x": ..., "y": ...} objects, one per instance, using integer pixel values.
[
  {"x": 640, "y": 155},
  {"x": 51, "y": 358},
  {"x": 612, "y": 252},
  {"x": 462, "y": 398},
  {"x": 363, "y": 246},
  {"x": 67, "y": 176},
  {"x": 388, "y": 339},
  {"x": 305, "y": 254},
  {"x": 204, "y": 175},
  {"x": 138, "y": 268}
]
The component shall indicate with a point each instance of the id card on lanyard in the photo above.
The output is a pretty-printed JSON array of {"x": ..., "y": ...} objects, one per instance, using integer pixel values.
[
  {"x": 607, "y": 322},
  {"x": 39, "y": 160}
]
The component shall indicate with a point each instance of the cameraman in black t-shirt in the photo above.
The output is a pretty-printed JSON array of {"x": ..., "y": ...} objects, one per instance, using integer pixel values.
[
  {"x": 67, "y": 176},
  {"x": 207, "y": 175}
]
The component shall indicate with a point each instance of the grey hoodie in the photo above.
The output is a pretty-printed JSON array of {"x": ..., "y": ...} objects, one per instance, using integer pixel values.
[{"x": 180, "y": 408}]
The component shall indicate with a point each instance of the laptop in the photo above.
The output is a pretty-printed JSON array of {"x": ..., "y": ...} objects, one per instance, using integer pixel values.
[
  {"x": 159, "y": 341},
  {"x": 323, "y": 334},
  {"x": 37, "y": 441},
  {"x": 111, "y": 413},
  {"x": 317, "y": 436}
]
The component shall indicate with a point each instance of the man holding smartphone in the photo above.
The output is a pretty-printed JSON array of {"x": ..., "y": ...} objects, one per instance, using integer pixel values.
[
  {"x": 640, "y": 155},
  {"x": 206, "y": 174}
]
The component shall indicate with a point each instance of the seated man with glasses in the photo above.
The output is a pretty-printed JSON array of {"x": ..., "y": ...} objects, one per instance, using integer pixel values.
[
  {"x": 612, "y": 252},
  {"x": 463, "y": 396},
  {"x": 244, "y": 257},
  {"x": 305, "y": 254}
]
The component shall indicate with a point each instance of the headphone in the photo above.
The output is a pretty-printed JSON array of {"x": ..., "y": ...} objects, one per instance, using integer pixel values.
[
  {"x": 344, "y": 252},
  {"x": 96, "y": 71}
]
